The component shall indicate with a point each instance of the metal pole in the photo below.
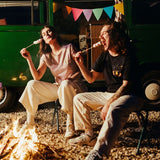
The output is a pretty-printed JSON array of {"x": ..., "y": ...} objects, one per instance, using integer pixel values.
[{"x": 32, "y": 12}]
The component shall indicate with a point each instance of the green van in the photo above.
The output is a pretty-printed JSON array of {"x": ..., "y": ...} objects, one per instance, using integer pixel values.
[
  {"x": 20, "y": 25},
  {"x": 21, "y": 21}
]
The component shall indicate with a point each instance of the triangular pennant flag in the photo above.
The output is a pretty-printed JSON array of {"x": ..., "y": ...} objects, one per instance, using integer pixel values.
[
  {"x": 98, "y": 12},
  {"x": 69, "y": 9},
  {"x": 109, "y": 11},
  {"x": 76, "y": 13},
  {"x": 56, "y": 6},
  {"x": 87, "y": 13},
  {"x": 120, "y": 7}
]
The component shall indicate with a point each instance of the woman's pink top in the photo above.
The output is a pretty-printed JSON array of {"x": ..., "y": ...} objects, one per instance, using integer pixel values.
[{"x": 62, "y": 65}]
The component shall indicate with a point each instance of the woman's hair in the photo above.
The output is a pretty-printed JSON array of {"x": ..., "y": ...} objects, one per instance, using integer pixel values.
[
  {"x": 43, "y": 47},
  {"x": 118, "y": 39}
]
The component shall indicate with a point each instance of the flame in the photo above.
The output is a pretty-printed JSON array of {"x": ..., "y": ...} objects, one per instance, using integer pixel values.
[
  {"x": 23, "y": 144},
  {"x": 27, "y": 140}
]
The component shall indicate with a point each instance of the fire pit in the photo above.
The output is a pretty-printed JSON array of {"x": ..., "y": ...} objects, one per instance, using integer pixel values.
[{"x": 15, "y": 145}]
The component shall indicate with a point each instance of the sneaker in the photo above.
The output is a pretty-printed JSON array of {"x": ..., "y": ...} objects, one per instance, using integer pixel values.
[
  {"x": 69, "y": 132},
  {"x": 83, "y": 139},
  {"x": 94, "y": 155}
]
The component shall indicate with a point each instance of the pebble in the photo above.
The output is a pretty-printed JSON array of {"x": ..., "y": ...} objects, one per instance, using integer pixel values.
[{"x": 125, "y": 147}]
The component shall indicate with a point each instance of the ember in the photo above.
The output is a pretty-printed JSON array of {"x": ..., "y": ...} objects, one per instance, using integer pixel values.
[{"x": 15, "y": 145}]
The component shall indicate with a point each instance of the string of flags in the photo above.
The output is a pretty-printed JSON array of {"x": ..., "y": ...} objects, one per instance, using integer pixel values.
[{"x": 76, "y": 12}]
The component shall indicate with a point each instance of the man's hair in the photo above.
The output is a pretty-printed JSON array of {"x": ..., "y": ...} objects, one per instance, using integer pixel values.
[{"x": 118, "y": 39}]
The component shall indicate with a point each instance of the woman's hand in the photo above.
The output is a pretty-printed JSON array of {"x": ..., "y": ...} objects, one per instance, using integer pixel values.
[
  {"x": 78, "y": 58},
  {"x": 25, "y": 54}
]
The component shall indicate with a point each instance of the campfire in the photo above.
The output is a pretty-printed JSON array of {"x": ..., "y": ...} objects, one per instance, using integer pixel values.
[{"x": 17, "y": 145}]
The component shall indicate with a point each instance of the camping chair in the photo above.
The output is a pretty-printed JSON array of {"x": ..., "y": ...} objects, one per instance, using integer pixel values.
[{"x": 57, "y": 107}]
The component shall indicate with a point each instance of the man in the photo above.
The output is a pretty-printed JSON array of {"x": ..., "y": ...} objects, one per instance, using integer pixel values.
[{"x": 119, "y": 68}]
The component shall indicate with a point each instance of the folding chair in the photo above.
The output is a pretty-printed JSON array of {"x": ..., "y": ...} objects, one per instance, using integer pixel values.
[
  {"x": 143, "y": 120},
  {"x": 57, "y": 107}
]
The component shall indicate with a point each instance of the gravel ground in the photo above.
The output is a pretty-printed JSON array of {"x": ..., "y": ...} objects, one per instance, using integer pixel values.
[{"x": 124, "y": 148}]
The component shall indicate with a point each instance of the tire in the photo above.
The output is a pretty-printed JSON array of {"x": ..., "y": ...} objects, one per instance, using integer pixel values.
[
  {"x": 7, "y": 98},
  {"x": 151, "y": 87}
]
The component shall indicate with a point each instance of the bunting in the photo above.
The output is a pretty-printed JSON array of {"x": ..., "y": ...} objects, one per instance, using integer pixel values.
[
  {"x": 120, "y": 7},
  {"x": 87, "y": 13},
  {"x": 109, "y": 11},
  {"x": 76, "y": 13},
  {"x": 96, "y": 12},
  {"x": 69, "y": 9},
  {"x": 56, "y": 6}
]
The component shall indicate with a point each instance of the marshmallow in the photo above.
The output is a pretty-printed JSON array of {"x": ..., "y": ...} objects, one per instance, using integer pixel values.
[{"x": 37, "y": 41}]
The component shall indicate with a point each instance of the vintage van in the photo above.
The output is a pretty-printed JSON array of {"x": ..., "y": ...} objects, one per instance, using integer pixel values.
[{"x": 21, "y": 21}]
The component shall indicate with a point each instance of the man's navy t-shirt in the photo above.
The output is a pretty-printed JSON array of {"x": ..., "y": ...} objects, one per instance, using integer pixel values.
[{"x": 116, "y": 69}]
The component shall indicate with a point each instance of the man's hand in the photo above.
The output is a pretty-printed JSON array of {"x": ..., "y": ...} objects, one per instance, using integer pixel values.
[{"x": 104, "y": 110}]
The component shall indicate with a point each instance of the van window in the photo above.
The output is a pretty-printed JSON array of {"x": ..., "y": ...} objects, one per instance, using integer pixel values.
[
  {"x": 22, "y": 12},
  {"x": 146, "y": 11}
]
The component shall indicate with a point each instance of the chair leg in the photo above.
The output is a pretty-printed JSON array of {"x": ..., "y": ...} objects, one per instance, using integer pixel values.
[
  {"x": 144, "y": 122},
  {"x": 53, "y": 116},
  {"x": 57, "y": 120},
  {"x": 56, "y": 108}
]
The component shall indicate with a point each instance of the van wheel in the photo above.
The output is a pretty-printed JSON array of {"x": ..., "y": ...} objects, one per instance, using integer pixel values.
[
  {"x": 7, "y": 98},
  {"x": 151, "y": 87}
]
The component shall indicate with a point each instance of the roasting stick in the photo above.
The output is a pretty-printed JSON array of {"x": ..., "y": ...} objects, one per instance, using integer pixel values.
[
  {"x": 93, "y": 46},
  {"x": 40, "y": 40},
  {"x": 35, "y": 42}
]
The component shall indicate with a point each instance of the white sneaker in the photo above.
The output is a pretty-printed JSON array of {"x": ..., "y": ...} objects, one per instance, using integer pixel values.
[
  {"x": 94, "y": 155},
  {"x": 69, "y": 131},
  {"x": 69, "y": 127},
  {"x": 83, "y": 139},
  {"x": 69, "y": 134}
]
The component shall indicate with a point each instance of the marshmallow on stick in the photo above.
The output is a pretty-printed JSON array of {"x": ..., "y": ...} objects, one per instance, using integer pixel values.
[
  {"x": 35, "y": 42},
  {"x": 93, "y": 46}
]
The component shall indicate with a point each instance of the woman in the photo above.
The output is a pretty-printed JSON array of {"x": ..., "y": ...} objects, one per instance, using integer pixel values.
[{"x": 68, "y": 79}]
